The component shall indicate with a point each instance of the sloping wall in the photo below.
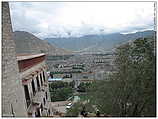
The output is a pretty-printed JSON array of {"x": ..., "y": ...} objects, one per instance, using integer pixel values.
[{"x": 13, "y": 101}]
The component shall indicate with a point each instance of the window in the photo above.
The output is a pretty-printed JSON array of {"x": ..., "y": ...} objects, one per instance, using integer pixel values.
[
  {"x": 46, "y": 96},
  {"x": 49, "y": 112},
  {"x": 44, "y": 76},
  {"x": 27, "y": 96},
  {"x": 37, "y": 114},
  {"x": 33, "y": 87},
  {"x": 41, "y": 79},
  {"x": 13, "y": 113},
  {"x": 41, "y": 107},
  {"x": 38, "y": 84},
  {"x": 44, "y": 101}
]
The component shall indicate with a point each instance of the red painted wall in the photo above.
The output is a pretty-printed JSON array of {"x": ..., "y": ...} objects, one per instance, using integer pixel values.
[{"x": 28, "y": 63}]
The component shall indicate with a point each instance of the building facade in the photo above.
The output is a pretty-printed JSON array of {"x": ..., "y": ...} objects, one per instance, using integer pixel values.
[
  {"x": 12, "y": 90},
  {"x": 34, "y": 78},
  {"x": 25, "y": 90}
]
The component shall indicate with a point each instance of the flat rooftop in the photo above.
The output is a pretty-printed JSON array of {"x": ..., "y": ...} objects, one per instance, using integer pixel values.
[
  {"x": 54, "y": 79},
  {"x": 28, "y": 56}
]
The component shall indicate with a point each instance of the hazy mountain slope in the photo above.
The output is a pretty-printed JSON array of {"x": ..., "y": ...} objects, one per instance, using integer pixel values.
[
  {"x": 74, "y": 43},
  {"x": 28, "y": 43},
  {"x": 91, "y": 43}
]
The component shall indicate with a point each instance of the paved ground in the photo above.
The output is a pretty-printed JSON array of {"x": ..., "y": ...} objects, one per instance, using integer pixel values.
[
  {"x": 61, "y": 109},
  {"x": 60, "y": 103},
  {"x": 60, "y": 106}
]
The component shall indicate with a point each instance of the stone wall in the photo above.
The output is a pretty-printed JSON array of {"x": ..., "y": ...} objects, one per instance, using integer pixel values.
[{"x": 13, "y": 101}]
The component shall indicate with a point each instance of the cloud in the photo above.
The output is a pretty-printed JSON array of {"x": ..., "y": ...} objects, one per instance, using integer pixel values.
[{"x": 65, "y": 19}]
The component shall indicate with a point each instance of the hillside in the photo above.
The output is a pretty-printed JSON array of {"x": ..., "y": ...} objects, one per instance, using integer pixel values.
[
  {"x": 97, "y": 43},
  {"x": 28, "y": 43}
]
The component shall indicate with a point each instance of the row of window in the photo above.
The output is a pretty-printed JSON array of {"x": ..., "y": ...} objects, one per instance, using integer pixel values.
[{"x": 38, "y": 81}]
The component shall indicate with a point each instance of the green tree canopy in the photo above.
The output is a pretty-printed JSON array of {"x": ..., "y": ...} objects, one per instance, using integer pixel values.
[{"x": 131, "y": 91}]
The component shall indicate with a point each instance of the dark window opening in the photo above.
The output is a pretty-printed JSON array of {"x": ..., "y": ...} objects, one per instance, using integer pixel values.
[
  {"x": 41, "y": 107},
  {"x": 44, "y": 76},
  {"x": 27, "y": 96},
  {"x": 38, "y": 113},
  {"x": 12, "y": 110},
  {"x": 33, "y": 87},
  {"x": 44, "y": 100},
  {"x": 38, "y": 84},
  {"x": 49, "y": 112},
  {"x": 46, "y": 96},
  {"x": 41, "y": 79}
]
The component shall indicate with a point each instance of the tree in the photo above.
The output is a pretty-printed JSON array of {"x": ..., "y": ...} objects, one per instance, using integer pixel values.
[
  {"x": 136, "y": 74},
  {"x": 131, "y": 91},
  {"x": 60, "y": 91}
]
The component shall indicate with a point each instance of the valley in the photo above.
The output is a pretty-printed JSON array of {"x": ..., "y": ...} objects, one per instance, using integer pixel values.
[
  {"x": 78, "y": 59},
  {"x": 71, "y": 71}
]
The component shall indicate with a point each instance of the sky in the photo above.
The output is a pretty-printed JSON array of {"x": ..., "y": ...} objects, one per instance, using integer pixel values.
[{"x": 75, "y": 19}]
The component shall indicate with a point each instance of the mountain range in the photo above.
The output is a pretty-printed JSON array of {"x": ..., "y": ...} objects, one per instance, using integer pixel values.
[
  {"x": 27, "y": 43},
  {"x": 97, "y": 43}
]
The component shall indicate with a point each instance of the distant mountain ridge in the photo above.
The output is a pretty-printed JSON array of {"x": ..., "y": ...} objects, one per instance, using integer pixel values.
[
  {"x": 28, "y": 43},
  {"x": 97, "y": 43}
]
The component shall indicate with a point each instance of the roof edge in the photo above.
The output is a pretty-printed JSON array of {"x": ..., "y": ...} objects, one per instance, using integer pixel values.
[{"x": 28, "y": 56}]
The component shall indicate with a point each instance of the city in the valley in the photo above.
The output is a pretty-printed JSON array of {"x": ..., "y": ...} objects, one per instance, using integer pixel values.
[{"x": 78, "y": 59}]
